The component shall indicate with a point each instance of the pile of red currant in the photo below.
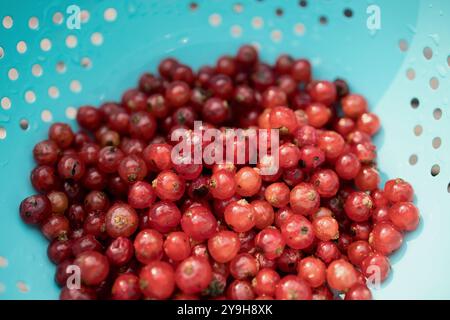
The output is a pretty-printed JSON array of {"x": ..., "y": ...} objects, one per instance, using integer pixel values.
[{"x": 138, "y": 226}]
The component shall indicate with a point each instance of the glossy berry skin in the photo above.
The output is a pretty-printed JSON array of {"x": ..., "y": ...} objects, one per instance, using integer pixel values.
[
  {"x": 318, "y": 114},
  {"x": 368, "y": 178},
  {"x": 89, "y": 117},
  {"x": 177, "y": 94},
  {"x": 56, "y": 226},
  {"x": 109, "y": 159},
  {"x": 243, "y": 266},
  {"x": 291, "y": 287},
  {"x": 189, "y": 171},
  {"x": 284, "y": 119},
  {"x": 347, "y": 166},
  {"x": 376, "y": 266},
  {"x": 297, "y": 231},
  {"x": 169, "y": 186},
  {"x": 313, "y": 271},
  {"x": 215, "y": 111},
  {"x": 287, "y": 262},
  {"x": 94, "y": 267},
  {"x": 277, "y": 194},
  {"x": 380, "y": 214},
  {"x": 148, "y": 246},
  {"x": 305, "y": 136},
  {"x": 46, "y": 152},
  {"x": 301, "y": 70},
  {"x": 326, "y": 182},
  {"x": 354, "y": 105},
  {"x": 289, "y": 155},
  {"x": 221, "y": 86},
  {"x": 166, "y": 67},
  {"x": 44, "y": 179},
  {"x": 62, "y": 134},
  {"x": 360, "y": 230},
  {"x": 404, "y": 216},
  {"x": 71, "y": 167},
  {"x": 398, "y": 190},
  {"x": 247, "y": 56},
  {"x": 35, "y": 209},
  {"x": 141, "y": 195},
  {"x": 83, "y": 293},
  {"x": 271, "y": 242},
  {"x": 222, "y": 185},
  {"x": 157, "y": 280},
  {"x": 357, "y": 251},
  {"x": 126, "y": 287},
  {"x": 177, "y": 246},
  {"x": 326, "y": 228},
  {"x": 332, "y": 143},
  {"x": 134, "y": 100},
  {"x": 248, "y": 182},
  {"x": 120, "y": 251},
  {"x": 368, "y": 123},
  {"x": 273, "y": 97},
  {"x": 379, "y": 198},
  {"x": 344, "y": 126},
  {"x": 59, "y": 250},
  {"x": 61, "y": 274},
  {"x": 264, "y": 283},
  {"x": 240, "y": 290},
  {"x": 164, "y": 216},
  {"x": 358, "y": 292},
  {"x": 96, "y": 201},
  {"x": 341, "y": 275},
  {"x": 327, "y": 251},
  {"x": 292, "y": 177},
  {"x": 358, "y": 206},
  {"x": 311, "y": 157},
  {"x": 85, "y": 243},
  {"x": 157, "y": 156},
  {"x": 149, "y": 83},
  {"x": 240, "y": 216},
  {"x": 385, "y": 238},
  {"x": 304, "y": 199},
  {"x": 323, "y": 92},
  {"x": 284, "y": 64},
  {"x": 132, "y": 168},
  {"x": 199, "y": 223},
  {"x": 224, "y": 246},
  {"x": 121, "y": 220},
  {"x": 142, "y": 125},
  {"x": 193, "y": 275},
  {"x": 264, "y": 214}
]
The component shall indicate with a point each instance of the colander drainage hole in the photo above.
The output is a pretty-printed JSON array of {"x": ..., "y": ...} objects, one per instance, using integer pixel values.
[
  {"x": 448, "y": 187},
  {"x": 435, "y": 170},
  {"x": 303, "y": 3},
  {"x": 193, "y": 6},
  {"x": 24, "y": 124},
  {"x": 279, "y": 12},
  {"x": 413, "y": 159},
  {"x": 323, "y": 20},
  {"x": 437, "y": 113},
  {"x": 436, "y": 142},
  {"x": 348, "y": 13},
  {"x": 415, "y": 103}
]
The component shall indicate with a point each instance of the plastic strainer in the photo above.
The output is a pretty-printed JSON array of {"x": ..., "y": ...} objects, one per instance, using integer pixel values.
[{"x": 394, "y": 52}]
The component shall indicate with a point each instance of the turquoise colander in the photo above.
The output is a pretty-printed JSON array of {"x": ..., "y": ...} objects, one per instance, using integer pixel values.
[{"x": 56, "y": 55}]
